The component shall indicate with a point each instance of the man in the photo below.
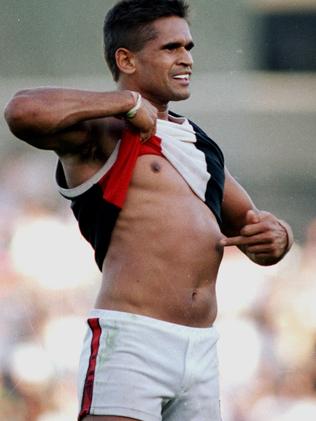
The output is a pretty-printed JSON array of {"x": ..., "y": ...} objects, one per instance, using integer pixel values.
[{"x": 152, "y": 195}]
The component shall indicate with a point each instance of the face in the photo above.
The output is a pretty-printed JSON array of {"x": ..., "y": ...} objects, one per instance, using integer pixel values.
[{"x": 163, "y": 67}]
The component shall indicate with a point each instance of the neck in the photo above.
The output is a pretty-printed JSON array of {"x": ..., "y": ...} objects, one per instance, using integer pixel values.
[
  {"x": 161, "y": 107},
  {"x": 163, "y": 115}
]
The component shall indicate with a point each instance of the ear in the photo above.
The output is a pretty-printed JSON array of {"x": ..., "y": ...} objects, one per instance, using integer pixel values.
[{"x": 125, "y": 61}]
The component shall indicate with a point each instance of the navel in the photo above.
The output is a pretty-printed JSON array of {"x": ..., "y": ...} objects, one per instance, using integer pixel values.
[{"x": 194, "y": 294}]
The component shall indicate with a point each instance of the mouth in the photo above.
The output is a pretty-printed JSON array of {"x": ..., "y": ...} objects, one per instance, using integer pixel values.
[{"x": 183, "y": 76}]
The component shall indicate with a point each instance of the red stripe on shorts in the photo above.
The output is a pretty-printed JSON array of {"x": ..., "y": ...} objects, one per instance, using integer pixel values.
[{"x": 89, "y": 382}]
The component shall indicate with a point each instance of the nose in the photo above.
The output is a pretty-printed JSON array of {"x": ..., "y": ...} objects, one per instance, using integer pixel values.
[{"x": 186, "y": 58}]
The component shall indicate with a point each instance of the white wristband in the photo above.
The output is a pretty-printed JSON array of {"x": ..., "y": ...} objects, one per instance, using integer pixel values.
[{"x": 132, "y": 112}]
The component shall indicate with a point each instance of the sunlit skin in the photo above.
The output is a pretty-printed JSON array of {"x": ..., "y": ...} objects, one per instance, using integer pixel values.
[
  {"x": 160, "y": 205},
  {"x": 153, "y": 251},
  {"x": 162, "y": 69},
  {"x": 166, "y": 247}
]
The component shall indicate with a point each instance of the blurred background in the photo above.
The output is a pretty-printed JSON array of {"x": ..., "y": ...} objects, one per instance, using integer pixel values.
[{"x": 254, "y": 91}]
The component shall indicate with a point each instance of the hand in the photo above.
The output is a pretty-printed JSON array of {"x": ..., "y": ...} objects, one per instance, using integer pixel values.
[
  {"x": 145, "y": 120},
  {"x": 263, "y": 238}
]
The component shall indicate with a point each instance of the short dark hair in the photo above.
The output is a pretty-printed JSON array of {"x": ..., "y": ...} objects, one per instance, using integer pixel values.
[{"x": 127, "y": 25}]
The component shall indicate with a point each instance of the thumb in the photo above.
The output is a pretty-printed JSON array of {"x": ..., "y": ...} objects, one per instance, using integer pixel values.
[{"x": 252, "y": 217}]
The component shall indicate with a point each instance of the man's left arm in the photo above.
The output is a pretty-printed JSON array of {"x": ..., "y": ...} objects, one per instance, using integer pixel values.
[{"x": 263, "y": 237}]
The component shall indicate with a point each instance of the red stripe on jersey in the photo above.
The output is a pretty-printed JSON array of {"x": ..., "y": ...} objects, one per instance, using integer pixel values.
[
  {"x": 151, "y": 147},
  {"x": 89, "y": 382},
  {"x": 115, "y": 182}
]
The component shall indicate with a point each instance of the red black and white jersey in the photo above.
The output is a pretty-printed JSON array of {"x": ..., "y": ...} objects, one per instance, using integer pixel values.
[{"x": 97, "y": 202}]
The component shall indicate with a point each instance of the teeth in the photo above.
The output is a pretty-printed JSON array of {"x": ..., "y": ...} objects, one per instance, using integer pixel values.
[{"x": 182, "y": 77}]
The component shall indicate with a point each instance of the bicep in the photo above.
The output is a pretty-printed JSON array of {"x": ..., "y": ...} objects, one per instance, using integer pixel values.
[
  {"x": 72, "y": 140},
  {"x": 61, "y": 141},
  {"x": 236, "y": 204}
]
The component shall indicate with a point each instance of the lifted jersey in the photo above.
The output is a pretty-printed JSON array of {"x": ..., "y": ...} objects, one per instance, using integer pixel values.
[{"x": 97, "y": 202}]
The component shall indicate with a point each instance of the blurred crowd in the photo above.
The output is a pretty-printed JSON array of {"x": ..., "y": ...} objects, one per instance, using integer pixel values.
[{"x": 48, "y": 278}]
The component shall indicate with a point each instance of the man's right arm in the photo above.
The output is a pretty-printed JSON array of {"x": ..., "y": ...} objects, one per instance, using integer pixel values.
[{"x": 62, "y": 119}]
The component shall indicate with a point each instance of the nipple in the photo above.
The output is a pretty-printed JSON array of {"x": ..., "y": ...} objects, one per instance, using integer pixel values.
[{"x": 155, "y": 166}]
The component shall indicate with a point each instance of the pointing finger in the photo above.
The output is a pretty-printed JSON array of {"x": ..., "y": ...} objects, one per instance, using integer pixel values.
[
  {"x": 241, "y": 240},
  {"x": 233, "y": 241}
]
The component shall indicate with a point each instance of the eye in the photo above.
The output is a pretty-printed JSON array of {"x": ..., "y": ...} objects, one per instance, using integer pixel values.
[
  {"x": 172, "y": 46},
  {"x": 189, "y": 46}
]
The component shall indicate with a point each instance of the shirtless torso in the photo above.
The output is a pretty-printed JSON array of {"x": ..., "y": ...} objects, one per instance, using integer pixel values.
[
  {"x": 164, "y": 252},
  {"x": 166, "y": 247}
]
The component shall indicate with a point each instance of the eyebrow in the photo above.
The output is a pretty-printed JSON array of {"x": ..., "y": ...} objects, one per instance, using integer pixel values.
[{"x": 175, "y": 45}]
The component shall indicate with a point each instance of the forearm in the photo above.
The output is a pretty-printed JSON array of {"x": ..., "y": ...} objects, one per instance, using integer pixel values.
[
  {"x": 259, "y": 234},
  {"x": 46, "y": 111}
]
